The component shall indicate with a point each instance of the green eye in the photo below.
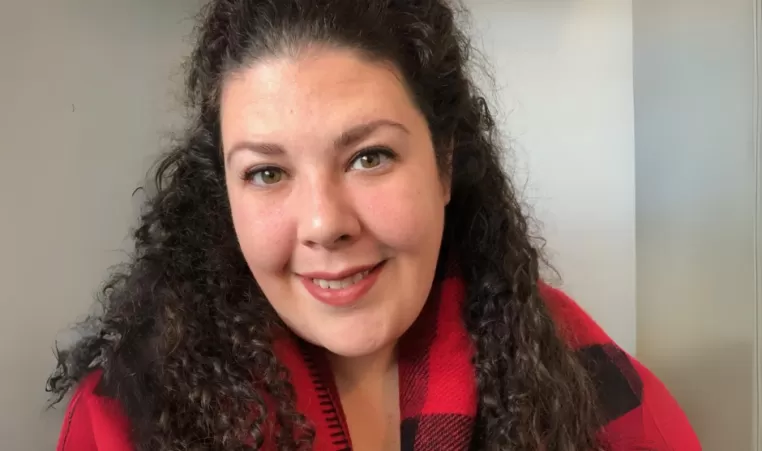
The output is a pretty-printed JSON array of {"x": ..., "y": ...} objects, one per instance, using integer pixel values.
[
  {"x": 265, "y": 176},
  {"x": 371, "y": 159}
]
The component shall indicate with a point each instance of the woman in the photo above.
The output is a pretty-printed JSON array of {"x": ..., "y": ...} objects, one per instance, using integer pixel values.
[{"x": 334, "y": 259}]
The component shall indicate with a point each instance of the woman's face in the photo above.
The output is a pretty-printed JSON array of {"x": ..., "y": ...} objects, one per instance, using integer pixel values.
[{"x": 336, "y": 199}]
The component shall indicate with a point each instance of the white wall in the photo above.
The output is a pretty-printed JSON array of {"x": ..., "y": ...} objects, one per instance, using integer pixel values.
[
  {"x": 696, "y": 183},
  {"x": 564, "y": 73},
  {"x": 85, "y": 95}
]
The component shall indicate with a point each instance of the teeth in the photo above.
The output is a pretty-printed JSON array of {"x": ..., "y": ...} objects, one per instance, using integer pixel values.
[{"x": 343, "y": 283}]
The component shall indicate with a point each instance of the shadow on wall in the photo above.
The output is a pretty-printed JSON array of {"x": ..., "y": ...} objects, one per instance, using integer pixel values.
[{"x": 728, "y": 365}]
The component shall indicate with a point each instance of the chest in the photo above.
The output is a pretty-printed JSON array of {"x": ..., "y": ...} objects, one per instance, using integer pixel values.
[
  {"x": 372, "y": 424},
  {"x": 372, "y": 413}
]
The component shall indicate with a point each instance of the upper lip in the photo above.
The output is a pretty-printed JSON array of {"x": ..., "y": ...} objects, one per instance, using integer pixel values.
[{"x": 323, "y": 275}]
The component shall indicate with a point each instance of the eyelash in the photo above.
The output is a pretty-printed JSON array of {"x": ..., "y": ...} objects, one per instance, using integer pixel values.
[
  {"x": 385, "y": 152},
  {"x": 249, "y": 174},
  {"x": 380, "y": 150}
]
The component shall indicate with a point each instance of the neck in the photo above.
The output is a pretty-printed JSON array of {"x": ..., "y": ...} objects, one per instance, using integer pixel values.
[{"x": 368, "y": 387}]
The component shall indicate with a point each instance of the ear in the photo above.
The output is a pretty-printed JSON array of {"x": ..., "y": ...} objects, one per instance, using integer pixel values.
[
  {"x": 447, "y": 188},
  {"x": 446, "y": 175}
]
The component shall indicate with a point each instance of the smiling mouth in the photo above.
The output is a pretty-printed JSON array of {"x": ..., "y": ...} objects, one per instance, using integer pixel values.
[
  {"x": 342, "y": 283},
  {"x": 342, "y": 291}
]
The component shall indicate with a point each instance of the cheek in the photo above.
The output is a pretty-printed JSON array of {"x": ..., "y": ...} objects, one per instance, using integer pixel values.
[
  {"x": 406, "y": 213},
  {"x": 262, "y": 232}
]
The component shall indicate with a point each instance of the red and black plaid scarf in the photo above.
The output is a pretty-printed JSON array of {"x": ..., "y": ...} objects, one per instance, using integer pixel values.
[
  {"x": 438, "y": 395},
  {"x": 437, "y": 384},
  {"x": 437, "y": 388}
]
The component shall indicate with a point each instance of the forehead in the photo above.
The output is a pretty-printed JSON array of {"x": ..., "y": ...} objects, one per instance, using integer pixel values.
[{"x": 315, "y": 91}]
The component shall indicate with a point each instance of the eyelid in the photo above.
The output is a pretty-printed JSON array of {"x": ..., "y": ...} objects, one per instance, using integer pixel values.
[
  {"x": 381, "y": 150},
  {"x": 251, "y": 172}
]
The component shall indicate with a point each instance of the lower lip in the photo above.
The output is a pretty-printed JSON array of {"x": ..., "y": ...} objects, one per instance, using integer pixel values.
[{"x": 343, "y": 297}]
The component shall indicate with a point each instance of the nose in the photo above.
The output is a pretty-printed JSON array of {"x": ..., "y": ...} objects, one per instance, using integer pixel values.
[{"x": 327, "y": 218}]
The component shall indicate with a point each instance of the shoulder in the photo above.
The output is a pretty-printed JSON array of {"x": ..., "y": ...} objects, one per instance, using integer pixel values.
[
  {"x": 93, "y": 422},
  {"x": 638, "y": 410}
]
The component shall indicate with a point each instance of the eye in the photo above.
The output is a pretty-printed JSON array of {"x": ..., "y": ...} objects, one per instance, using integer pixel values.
[
  {"x": 264, "y": 176},
  {"x": 371, "y": 159}
]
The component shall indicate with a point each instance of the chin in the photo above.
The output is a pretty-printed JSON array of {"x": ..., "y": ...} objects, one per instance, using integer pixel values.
[{"x": 353, "y": 347}]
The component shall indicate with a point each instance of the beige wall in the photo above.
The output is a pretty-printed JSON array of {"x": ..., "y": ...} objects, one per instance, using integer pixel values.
[
  {"x": 696, "y": 186},
  {"x": 563, "y": 73},
  {"x": 85, "y": 95}
]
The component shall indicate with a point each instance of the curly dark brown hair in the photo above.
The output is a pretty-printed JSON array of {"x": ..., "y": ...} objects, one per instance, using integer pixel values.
[{"x": 184, "y": 340}]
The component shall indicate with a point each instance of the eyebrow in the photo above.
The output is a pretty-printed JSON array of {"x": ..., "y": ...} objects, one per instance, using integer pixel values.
[{"x": 346, "y": 139}]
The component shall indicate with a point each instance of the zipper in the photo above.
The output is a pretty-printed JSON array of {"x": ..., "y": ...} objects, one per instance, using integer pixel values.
[{"x": 330, "y": 405}]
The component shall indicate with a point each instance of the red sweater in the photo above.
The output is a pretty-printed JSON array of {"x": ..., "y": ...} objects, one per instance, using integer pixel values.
[{"x": 638, "y": 408}]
